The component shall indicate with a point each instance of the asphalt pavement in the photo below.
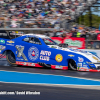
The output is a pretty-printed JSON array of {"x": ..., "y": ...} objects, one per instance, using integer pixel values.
[
  {"x": 48, "y": 92},
  {"x": 90, "y": 75}
]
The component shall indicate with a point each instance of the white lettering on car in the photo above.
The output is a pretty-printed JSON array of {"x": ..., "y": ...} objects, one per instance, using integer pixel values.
[{"x": 45, "y": 55}]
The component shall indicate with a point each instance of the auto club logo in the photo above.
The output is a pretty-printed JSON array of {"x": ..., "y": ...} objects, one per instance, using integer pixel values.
[
  {"x": 33, "y": 53},
  {"x": 59, "y": 57}
]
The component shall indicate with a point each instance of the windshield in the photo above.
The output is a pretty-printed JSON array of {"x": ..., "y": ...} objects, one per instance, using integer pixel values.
[{"x": 49, "y": 41}]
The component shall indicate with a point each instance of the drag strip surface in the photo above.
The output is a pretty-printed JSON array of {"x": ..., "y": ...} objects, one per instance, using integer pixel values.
[
  {"x": 90, "y": 75},
  {"x": 48, "y": 93},
  {"x": 31, "y": 78}
]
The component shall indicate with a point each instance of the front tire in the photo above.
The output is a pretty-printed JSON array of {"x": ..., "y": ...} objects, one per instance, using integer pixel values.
[
  {"x": 11, "y": 58},
  {"x": 72, "y": 65}
]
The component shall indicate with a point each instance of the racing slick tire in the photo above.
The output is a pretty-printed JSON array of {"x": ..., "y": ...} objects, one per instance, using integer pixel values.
[
  {"x": 11, "y": 58},
  {"x": 72, "y": 65},
  {"x": 46, "y": 66}
]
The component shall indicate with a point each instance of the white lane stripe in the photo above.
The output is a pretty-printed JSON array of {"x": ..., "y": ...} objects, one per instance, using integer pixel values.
[
  {"x": 95, "y": 87},
  {"x": 55, "y": 75}
]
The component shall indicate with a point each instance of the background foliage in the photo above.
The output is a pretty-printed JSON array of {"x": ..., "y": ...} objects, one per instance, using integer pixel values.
[{"x": 95, "y": 18}]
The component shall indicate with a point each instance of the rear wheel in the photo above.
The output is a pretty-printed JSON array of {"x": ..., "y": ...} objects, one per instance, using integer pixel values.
[
  {"x": 48, "y": 66},
  {"x": 11, "y": 58},
  {"x": 72, "y": 65},
  {"x": 45, "y": 65}
]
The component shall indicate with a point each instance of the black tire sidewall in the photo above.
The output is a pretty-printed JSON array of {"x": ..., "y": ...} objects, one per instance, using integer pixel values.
[
  {"x": 8, "y": 57},
  {"x": 72, "y": 67}
]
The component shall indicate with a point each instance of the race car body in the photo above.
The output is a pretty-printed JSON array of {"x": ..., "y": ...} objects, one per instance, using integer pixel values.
[{"x": 40, "y": 51}]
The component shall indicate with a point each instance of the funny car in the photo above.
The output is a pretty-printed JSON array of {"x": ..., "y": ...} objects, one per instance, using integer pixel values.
[{"x": 41, "y": 51}]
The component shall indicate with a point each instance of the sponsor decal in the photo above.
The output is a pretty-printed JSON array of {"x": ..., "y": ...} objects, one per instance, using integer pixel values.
[
  {"x": 10, "y": 44},
  {"x": 72, "y": 49},
  {"x": 28, "y": 64},
  {"x": 84, "y": 51},
  {"x": 19, "y": 59},
  {"x": 33, "y": 53},
  {"x": 98, "y": 61},
  {"x": 80, "y": 59},
  {"x": 2, "y": 41},
  {"x": 79, "y": 64},
  {"x": 2, "y": 47},
  {"x": 64, "y": 49},
  {"x": 53, "y": 46},
  {"x": 59, "y": 57},
  {"x": 91, "y": 64},
  {"x": 84, "y": 65},
  {"x": 45, "y": 55},
  {"x": 94, "y": 53},
  {"x": 20, "y": 50},
  {"x": 78, "y": 68},
  {"x": 95, "y": 58},
  {"x": 83, "y": 68},
  {"x": 25, "y": 63},
  {"x": 10, "y": 41},
  {"x": 20, "y": 63},
  {"x": 71, "y": 55},
  {"x": 59, "y": 67}
]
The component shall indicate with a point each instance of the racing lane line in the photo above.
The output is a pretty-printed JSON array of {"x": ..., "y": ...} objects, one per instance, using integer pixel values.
[
  {"x": 54, "y": 75},
  {"x": 92, "y": 87},
  {"x": 44, "y": 79}
]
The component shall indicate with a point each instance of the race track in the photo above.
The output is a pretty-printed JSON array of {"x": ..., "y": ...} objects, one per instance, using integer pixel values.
[
  {"x": 92, "y": 75},
  {"x": 48, "y": 93},
  {"x": 51, "y": 91}
]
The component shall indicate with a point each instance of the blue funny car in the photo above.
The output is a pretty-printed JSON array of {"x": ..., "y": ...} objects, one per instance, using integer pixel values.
[{"x": 42, "y": 51}]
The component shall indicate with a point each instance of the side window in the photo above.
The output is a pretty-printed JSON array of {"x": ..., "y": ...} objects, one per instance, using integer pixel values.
[
  {"x": 26, "y": 39},
  {"x": 35, "y": 40}
]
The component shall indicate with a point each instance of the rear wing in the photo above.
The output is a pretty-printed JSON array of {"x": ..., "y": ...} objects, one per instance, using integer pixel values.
[{"x": 8, "y": 34}]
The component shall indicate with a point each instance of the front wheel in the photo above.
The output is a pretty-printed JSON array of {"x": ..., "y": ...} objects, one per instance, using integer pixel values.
[
  {"x": 72, "y": 65},
  {"x": 11, "y": 58}
]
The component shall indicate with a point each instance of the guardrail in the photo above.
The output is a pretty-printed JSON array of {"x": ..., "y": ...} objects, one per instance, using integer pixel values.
[
  {"x": 25, "y": 29},
  {"x": 92, "y": 44},
  {"x": 27, "y": 24}
]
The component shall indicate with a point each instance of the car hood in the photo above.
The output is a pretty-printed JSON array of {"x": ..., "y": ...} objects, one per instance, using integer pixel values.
[{"x": 93, "y": 58}]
